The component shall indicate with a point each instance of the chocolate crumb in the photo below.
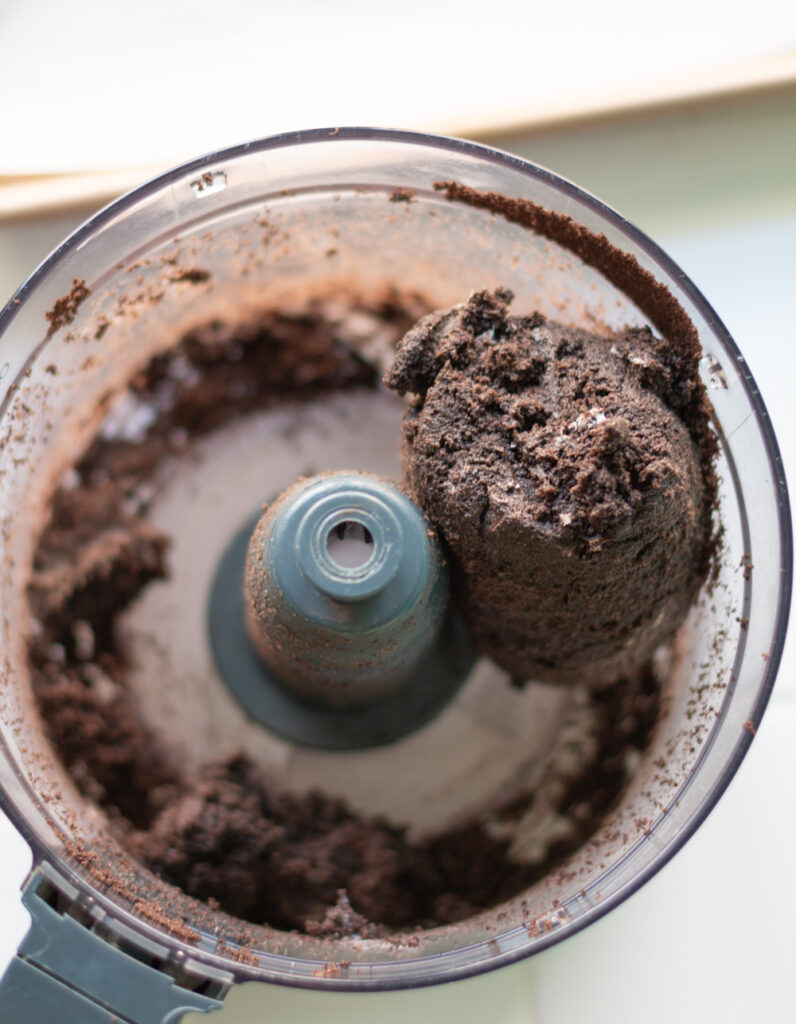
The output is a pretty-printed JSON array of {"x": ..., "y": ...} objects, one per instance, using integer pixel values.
[
  {"x": 244, "y": 956},
  {"x": 193, "y": 275},
  {"x": 152, "y": 912},
  {"x": 65, "y": 309},
  {"x": 402, "y": 195},
  {"x": 340, "y": 921}
]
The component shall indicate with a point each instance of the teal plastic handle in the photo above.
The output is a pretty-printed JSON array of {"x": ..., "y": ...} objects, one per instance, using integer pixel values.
[{"x": 65, "y": 972}]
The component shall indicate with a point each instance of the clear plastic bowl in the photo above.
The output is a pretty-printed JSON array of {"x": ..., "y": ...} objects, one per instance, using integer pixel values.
[{"x": 305, "y": 213}]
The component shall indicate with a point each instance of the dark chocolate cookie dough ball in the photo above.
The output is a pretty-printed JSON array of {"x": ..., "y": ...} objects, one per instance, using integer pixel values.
[{"x": 571, "y": 497}]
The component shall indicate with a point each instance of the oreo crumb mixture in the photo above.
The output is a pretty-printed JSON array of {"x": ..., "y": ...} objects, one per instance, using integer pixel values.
[
  {"x": 569, "y": 492},
  {"x": 307, "y": 862}
]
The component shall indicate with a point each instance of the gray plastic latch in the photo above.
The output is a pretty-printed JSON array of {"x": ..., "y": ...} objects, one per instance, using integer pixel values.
[{"x": 66, "y": 974}]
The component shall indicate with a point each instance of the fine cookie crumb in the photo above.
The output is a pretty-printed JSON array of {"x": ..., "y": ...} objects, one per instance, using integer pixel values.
[
  {"x": 402, "y": 195},
  {"x": 193, "y": 275},
  {"x": 329, "y": 970},
  {"x": 158, "y": 916},
  {"x": 340, "y": 922},
  {"x": 244, "y": 956},
  {"x": 65, "y": 309}
]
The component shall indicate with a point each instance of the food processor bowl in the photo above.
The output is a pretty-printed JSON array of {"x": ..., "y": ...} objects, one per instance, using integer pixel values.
[{"x": 315, "y": 214}]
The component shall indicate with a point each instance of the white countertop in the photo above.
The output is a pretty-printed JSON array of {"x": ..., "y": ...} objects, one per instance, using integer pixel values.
[{"x": 711, "y": 937}]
